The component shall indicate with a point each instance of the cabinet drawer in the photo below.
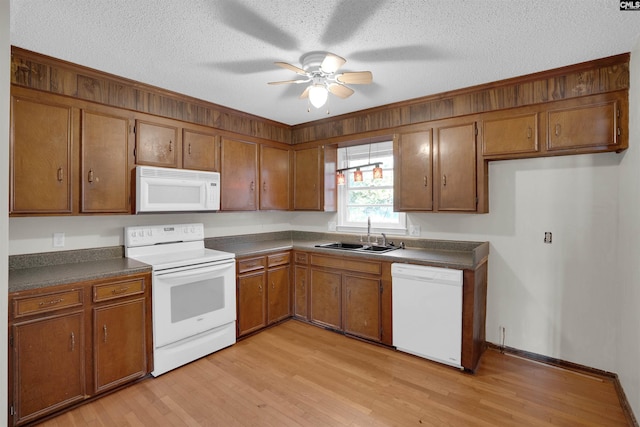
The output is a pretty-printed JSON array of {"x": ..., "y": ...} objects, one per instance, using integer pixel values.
[
  {"x": 301, "y": 258},
  {"x": 109, "y": 291},
  {"x": 25, "y": 306},
  {"x": 278, "y": 259},
  {"x": 352, "y": 265},
  {"x": 251, "y": 264}
]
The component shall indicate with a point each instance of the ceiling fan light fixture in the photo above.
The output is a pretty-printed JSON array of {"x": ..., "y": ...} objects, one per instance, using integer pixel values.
[{"x": 318, "y": 95}]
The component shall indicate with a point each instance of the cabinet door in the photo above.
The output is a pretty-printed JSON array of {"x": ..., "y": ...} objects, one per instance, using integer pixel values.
[
  {"x": 251, "y": 303},
  {"x": 456, "y": 171},
  {"x": 48, "y": 364},
  {"x": 300, "y": 291},
  {"x": 362, "y": 307},
  {"x": 239, "y": 174},
  {"x": 156, "y": 144},
  {"x": 586, "y": 126},
  {"x": 199, "y": 150},
  {"x": 274, "y": 178},
  {"x": 413, "y": 181},
  {"x": 507, "y": 136},
  {"x": 41, "y": 160},
  {"x": 326, "y": 298},
  {"x": 307, "y": 179},
  {"x": 119, "y": 343},
  {"x": 104, "y": 171},
  {"x": 278, "y": 294}
]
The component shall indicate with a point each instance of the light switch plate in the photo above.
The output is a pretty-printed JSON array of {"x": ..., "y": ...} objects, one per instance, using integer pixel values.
[{"x": 414, "y": 230}]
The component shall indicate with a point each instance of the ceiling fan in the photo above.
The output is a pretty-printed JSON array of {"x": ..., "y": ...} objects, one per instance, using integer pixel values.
[{"x": 319, "y": 70}]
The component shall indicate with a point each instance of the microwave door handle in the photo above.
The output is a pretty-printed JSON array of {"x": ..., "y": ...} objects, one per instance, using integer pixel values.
[{"x": 195, "y": 271}]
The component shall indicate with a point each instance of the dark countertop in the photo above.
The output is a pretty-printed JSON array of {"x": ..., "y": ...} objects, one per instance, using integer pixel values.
[
  {"x": 34, "y": 271},
  {"x": 437, "y": 253}
]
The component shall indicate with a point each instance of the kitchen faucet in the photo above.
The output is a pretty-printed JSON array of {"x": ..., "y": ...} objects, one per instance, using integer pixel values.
[{"x": 369, "y": 229}]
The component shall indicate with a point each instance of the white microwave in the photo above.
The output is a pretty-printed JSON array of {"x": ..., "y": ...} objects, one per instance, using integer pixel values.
[{"x": 176, "y": 190}]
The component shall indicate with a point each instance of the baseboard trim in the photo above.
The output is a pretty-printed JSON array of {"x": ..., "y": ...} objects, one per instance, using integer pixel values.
[{"x": 582, "y": 369}]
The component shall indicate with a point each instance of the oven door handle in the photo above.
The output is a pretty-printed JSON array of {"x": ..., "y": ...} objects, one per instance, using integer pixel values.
[{"x": 193, "y": 271}]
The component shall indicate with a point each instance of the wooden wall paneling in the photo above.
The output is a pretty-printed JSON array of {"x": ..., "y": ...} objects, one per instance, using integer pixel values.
[
  {"x": 592, "y": 77},
  {"x": 41, "y": 72}
]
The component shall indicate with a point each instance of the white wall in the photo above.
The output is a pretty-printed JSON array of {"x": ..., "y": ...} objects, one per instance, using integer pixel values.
[
  {"x": 5, "y": 66},
  {"x": 628, "y": 348},
  {"x": 33, "y": 235}
]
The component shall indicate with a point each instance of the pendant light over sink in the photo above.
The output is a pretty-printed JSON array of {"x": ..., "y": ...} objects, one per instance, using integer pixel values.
[{"x": 358, "y": 174}]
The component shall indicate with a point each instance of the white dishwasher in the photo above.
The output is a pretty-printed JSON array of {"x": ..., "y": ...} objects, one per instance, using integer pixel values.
[{"x": 427, "y": 312}]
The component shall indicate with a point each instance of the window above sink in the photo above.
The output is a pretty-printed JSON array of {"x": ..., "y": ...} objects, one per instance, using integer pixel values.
[{"x": 371, "y": 197}]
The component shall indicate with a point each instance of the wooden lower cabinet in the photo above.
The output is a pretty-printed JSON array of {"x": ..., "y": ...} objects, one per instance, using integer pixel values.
[
  {"x": 48, "y": 365},
  {"x": 72, "y": 342},
  {"x": 362, "y": 306},
  {"x": 325, "y": 292},
  {"x": 263, "y": 292},
  {"x": 251, "y": 303},
  {"x": 346, "y": 294},
  {"x": 117, "y": 327}
]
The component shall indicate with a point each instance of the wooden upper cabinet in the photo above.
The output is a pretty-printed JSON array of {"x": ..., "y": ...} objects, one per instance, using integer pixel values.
[
  {"x": 157, "y": 144},
  {"x": 274, "y": 178},
  {"x": 509, "y": 136},
  {"x": 104, "y": 171},
  {"x": 41, "y": 143},
  {"x": 314, "y": 179},
  {"x": 199, "y": 150},
  {"x": 456, "y": 168},
  {"x": 238, "y": 175},
  {"x": 413, "y": 179},
  {"x": 583, "y": 126}
]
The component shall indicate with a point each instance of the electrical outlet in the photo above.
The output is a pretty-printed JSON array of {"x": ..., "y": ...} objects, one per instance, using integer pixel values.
[
  {"x": 58, "y": 240},
  {"x": 547, "y": 237},
  {"x": 414, "y": 230},
  {"x": 332, "y": 226}
]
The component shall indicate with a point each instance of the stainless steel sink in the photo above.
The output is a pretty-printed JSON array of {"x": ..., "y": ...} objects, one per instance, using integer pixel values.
[{"x": 357, "y": 247}]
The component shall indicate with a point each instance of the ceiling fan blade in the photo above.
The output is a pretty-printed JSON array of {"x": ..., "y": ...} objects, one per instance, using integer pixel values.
[
  {"x": 331, "y": 63},
  {"x": 305, "y": 94},
  {"x": 355, "y": 77},
  {"x": 340, "y": 90},
  {"x": 293, "y": 68},
  {"x": 284, "y": 82}
]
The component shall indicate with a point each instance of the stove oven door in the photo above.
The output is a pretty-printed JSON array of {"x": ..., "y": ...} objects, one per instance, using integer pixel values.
[{"x": 192, "y": 299}]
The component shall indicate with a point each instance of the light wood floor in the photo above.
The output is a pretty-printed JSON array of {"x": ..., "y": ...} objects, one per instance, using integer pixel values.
[{"x": 299, "y": 375}]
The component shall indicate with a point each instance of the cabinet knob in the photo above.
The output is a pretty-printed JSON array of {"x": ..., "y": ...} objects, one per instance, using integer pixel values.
[
  {"x": 425, "y": 181},
  {"x": 260, "y": 287},
  {"x": 529, "y": 132},
  {"x": 170, "y": 146},
  {"x": 444, "y": 180},
  {"x": 60, "y": 174},
  {"x": 189, "y": 148},
  {"x": 90, "y": 178},
  {"x": 73, "y": 341},
  {"x": 558, "y": 129},
  {"x": 104, "y": 333},
  {"x": 264, "y": 186},
  {"x": 252, "y": 186}
]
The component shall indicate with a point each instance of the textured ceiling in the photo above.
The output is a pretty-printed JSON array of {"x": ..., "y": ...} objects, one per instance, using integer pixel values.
[{"x": 223, "y": 51}]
